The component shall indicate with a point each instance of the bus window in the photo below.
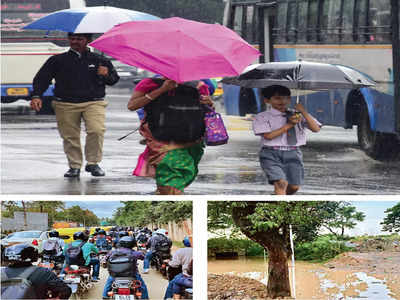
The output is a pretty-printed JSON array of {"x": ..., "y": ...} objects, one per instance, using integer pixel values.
[
  {"x": 15, "y": 14},
  {"x": 302, "y": 25},
  {"x": 347, "y": 21},
  {"x": 291, "y": 25},
  {"x": 379, "y": 21},
  {"x": 238, "y": 20},
  {"x": 280, "y": 31},
  {"x": 330, "y": 21},
  {"x": 249, "y": 34},
  {"x": 312, "y": 21},
  {"x": 360, "y": 21}
]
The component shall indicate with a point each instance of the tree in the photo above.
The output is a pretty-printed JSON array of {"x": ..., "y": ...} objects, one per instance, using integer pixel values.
[
  {"x": 9, "y": 207},
  {"x": 142, "y": 213},
  {"x": 344, "y": 216},
  {"x": 52, "y": 208},
  {"x": 392, "y": 221},
  {"x": 267, "y": 223}
]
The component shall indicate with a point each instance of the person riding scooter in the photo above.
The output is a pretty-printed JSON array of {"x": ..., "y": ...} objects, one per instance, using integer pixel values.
[
  {"x": 87, "y": 249},
  {"x": 158, "y": 237},
  {"x": 182, "y": 257},
  {"x": 125, "y": 246},
  {"x": 101, "y": 241}
]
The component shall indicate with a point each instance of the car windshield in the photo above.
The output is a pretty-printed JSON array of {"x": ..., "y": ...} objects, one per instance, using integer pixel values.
[{"x": 25, "y": 234}]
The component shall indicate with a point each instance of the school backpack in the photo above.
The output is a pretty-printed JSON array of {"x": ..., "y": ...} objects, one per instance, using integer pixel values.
[
  {"x": 18, "y": 287},
  {"x": 121, "y": 264},
  {"x": 177, "y": 115},
  {"x": 74, "y": 255},
  {"x": 51, "y": 247},
  {"x": 163, "y": 244}
]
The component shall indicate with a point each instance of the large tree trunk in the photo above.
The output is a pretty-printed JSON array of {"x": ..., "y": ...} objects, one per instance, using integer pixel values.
[
  {"x": 278, "y": 272},
  {"x": 276, "y": 242}
]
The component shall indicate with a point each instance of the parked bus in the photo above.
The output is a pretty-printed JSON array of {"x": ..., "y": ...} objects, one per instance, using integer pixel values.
[
  {"x": 23, "y": 52},
  {"x": 362, "y": 34}
]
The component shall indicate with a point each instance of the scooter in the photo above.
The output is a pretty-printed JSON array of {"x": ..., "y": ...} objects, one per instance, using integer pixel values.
[
  {"x": 79, "y": 279},
  {"x": 125, "y": 288}
]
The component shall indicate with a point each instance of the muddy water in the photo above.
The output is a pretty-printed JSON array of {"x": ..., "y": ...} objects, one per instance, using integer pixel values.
[{"x": 315, "y": 281}]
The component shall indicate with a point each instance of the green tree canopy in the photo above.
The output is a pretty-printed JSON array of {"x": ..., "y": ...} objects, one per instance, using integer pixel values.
[
  {"x": 343, "y": 216},
  {"x": 142, "y": 213},
  {"x": 392, "y": 221}
]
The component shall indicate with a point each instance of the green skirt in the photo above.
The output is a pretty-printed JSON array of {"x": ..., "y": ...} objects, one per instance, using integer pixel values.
[{"x": 179, "y": 167}]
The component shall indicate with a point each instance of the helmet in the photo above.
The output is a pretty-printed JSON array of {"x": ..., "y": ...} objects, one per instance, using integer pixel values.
[
  {"x": 162, "y": 231},
  {"x": 54, "y": 233},
  {"x": 80, "y": 236},
  {"x": 123, "y": 233},
  {"x": 127, "y": 242},
  {"x": 102, "y": 231},
  {"x": 97, "y": 229},
  {"x": 186, "y": 242},
  {"x": 21, "y": 252}
]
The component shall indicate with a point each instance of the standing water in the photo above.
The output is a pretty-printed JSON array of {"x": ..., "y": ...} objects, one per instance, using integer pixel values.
[{"x": 315, "y": 281}]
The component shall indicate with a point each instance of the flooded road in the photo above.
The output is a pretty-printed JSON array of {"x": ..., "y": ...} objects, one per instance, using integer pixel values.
[
  {"x": 316, "y": 281},
  {"x": 33, "y": 161}
]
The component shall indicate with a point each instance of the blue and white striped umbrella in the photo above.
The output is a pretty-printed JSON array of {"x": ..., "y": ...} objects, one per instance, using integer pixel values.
[{"x": 95, "y": 19}]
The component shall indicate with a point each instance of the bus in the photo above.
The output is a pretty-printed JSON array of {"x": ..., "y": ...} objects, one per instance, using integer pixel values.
[
  {"x": 23, "y": 52},
  {"x": 361, "y": 34}
]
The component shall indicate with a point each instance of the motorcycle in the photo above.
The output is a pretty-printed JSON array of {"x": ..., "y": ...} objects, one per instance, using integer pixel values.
[
  {"x": 52, "y": 262},
  {"x": 159, "y": 261},
  {"x": 141, "y": 246},
  {"x": 102, "y": 257},
  {"x": 125, "y": 288},
  {"x": 79, "y": 279},
  {"x": 188, "y": 293}
]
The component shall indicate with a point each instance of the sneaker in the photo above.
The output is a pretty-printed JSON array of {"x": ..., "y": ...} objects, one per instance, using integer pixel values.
[
  {"x": 145, "y": 271},
  {"x": 95, "y": 279}
]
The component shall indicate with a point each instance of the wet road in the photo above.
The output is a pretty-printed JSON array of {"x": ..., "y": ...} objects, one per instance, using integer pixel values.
[{"x": 33, "y": 161}]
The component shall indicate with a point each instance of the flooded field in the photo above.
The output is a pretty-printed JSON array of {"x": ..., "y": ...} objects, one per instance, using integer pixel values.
[{"x": 368, "y": 280}]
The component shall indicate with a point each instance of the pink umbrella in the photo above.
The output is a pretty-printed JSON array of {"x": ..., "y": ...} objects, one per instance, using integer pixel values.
[{"x": 178, "y": 49}]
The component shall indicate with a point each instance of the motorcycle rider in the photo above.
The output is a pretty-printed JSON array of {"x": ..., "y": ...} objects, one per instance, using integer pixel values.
[
  {"x": 44, "y": 282},
  {"x": 182, "y": 257},
  {"x": 88, "y": 249},
  {"x": 158, "y": 236},
  {"x": 54, "y": 244},
  {"x": 101, "y": 241},
  {"x": 117, "y": 236},
  {"x": 182, "y": 283},
  {"x": 126, "y": 244}
]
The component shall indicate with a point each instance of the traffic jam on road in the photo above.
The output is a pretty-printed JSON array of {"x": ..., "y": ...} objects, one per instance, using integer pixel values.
[{"x": 81, "y": 261}]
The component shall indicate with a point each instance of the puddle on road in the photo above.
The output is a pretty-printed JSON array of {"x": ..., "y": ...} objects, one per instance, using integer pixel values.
[{"x": 313, "y": 281}]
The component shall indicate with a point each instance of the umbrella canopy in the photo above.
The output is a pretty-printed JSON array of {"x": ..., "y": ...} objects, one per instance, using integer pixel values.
[
  {"x": 95, "y": 19},
  {"x": 178, "y": 49},
  {"x": 301, "y": 75}
]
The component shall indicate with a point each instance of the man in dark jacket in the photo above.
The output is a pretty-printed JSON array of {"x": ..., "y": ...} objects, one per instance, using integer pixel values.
[
  {"x": 125, "y": 246},
  {"x": 80, "y": 78},
  {"x": 44, "y": 282}
]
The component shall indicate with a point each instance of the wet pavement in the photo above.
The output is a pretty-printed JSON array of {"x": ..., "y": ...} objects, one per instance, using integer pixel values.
[{"x": 33, "y": 162}]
